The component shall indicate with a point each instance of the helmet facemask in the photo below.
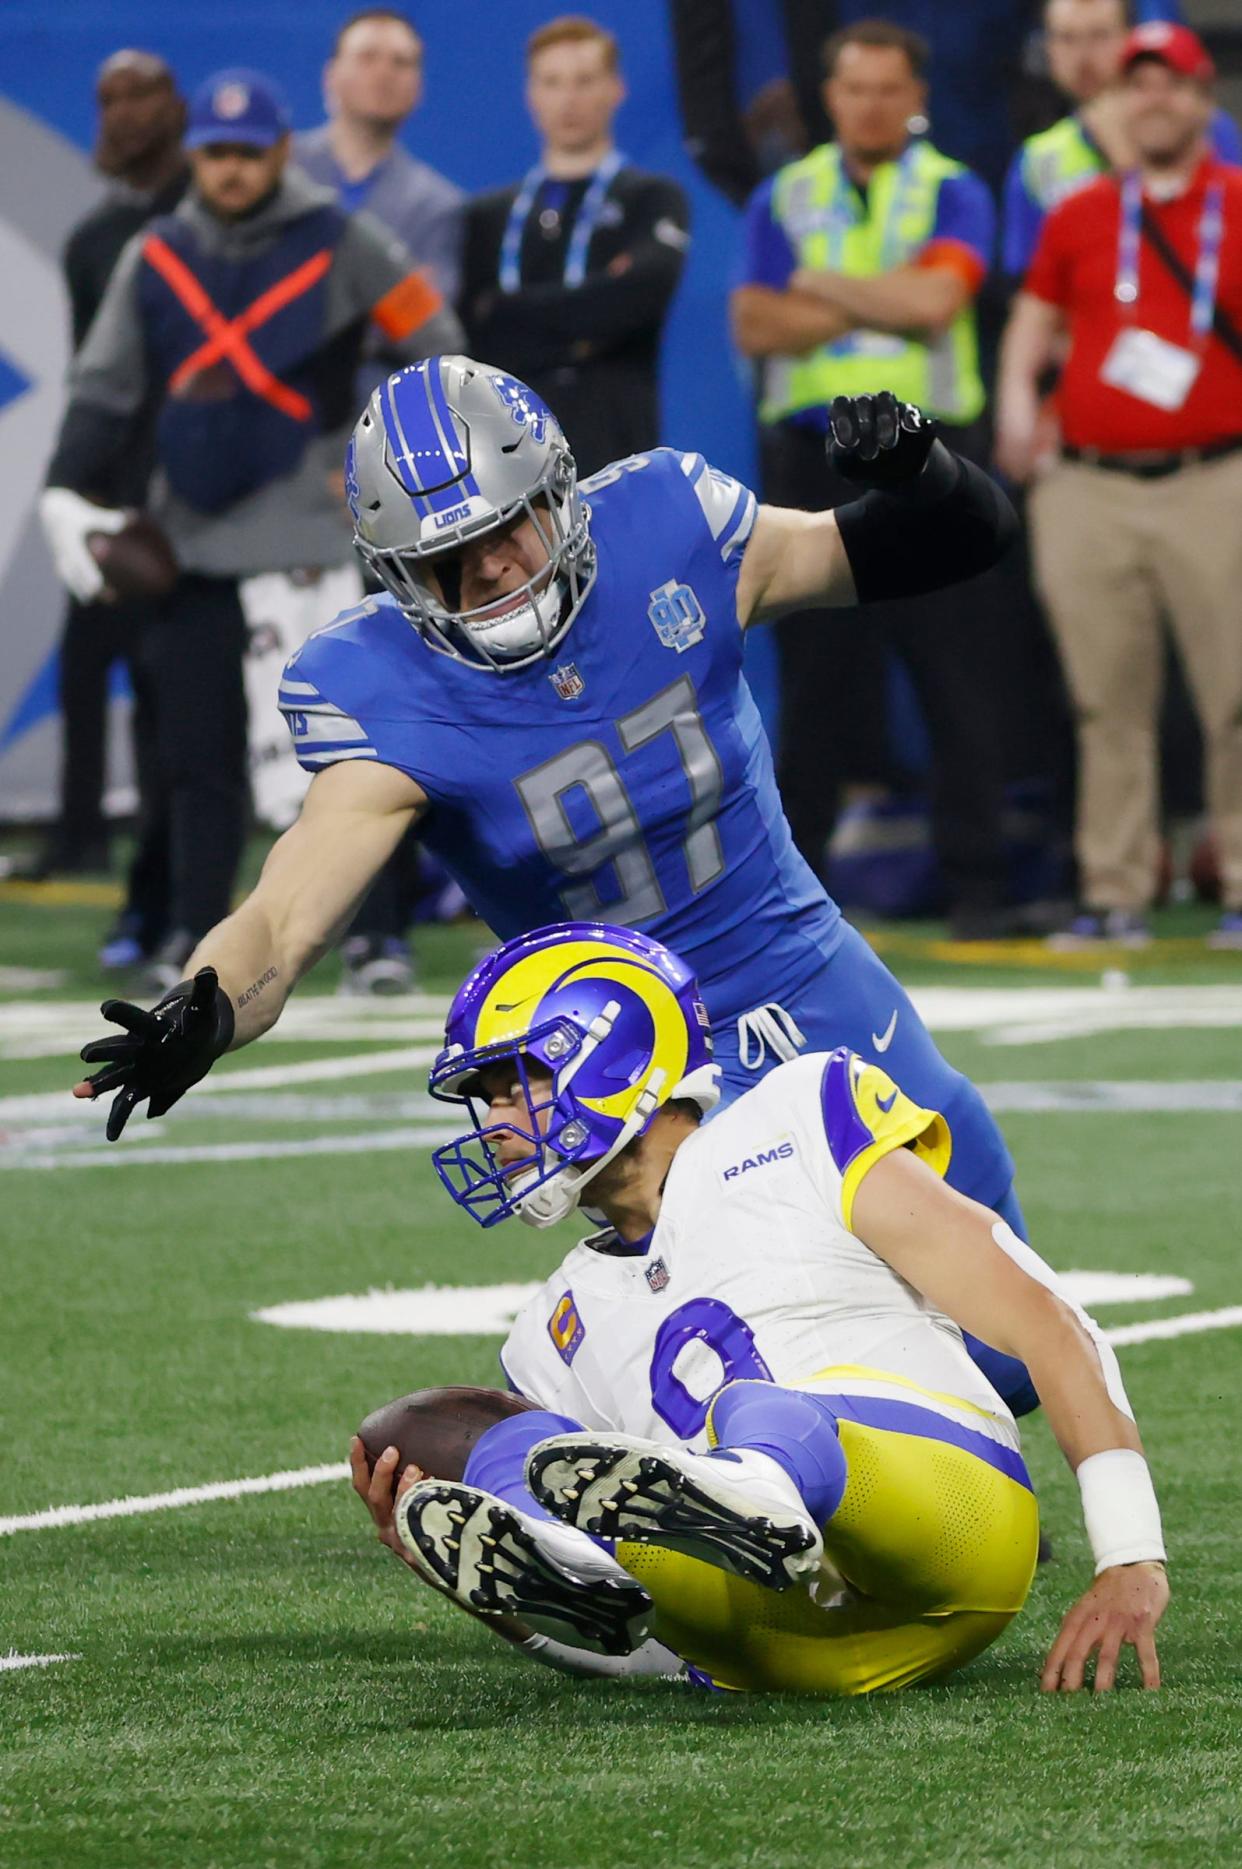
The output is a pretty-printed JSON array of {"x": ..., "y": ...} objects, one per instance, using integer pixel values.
[
  {"x": 612, "y": 1018},
  {"x": 523, "y": 625},
  {"x": 548, "y": 1186}
]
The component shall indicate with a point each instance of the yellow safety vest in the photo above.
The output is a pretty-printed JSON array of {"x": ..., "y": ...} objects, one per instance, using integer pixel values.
[{"x": 830, "y": 228}]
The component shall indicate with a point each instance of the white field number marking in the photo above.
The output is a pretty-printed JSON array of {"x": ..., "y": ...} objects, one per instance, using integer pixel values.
[
  {"x": 432, "y": 1311},
  {"x": 489, "y": 1310}
]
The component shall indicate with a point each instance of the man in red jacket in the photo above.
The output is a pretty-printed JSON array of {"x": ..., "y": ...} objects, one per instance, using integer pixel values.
[{"x": 1137, "y": 517}]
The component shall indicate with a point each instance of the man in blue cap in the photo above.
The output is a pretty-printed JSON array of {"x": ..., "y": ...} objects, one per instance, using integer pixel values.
[{"x": 232, "y": 329}]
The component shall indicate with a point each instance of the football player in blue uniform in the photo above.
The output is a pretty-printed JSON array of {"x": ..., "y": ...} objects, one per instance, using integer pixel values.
[{"x": 552, "y": 687}]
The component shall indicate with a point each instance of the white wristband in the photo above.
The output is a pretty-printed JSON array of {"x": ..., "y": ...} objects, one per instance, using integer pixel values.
[{"x": 1119, "y": 1509}]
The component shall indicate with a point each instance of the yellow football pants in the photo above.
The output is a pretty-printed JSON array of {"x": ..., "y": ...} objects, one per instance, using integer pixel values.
[{"x": 929, "y": 1555}]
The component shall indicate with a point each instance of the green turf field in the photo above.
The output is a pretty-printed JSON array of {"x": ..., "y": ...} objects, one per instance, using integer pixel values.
[{"x": 254, "y": 1681}]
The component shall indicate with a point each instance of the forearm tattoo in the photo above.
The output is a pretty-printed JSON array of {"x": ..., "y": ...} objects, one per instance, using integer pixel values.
[{"x": 253, "y": 991}]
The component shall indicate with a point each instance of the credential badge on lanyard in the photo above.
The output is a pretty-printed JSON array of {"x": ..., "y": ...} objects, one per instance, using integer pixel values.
[
  {"x": 585, "y": 222},
  {"x": 1139, "y": 362},
  {"x": 1207, "y": 261}
]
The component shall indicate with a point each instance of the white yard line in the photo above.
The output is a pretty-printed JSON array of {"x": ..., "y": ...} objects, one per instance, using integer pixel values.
[
  {"x": 1002, "y": 1015},
  {"x": 1121, "y": 1097},
  {"x": 392, "y": 1140},
  {"x": 1189, "y": 1323},
  {"x": 56, "y": 1028},
  {"x": 32, "y": 1661},
  {"x": 266, "y": 1077},
  {"x": 51, "y": 1516},
  {"x": 183, "y": 1496},
  {"x": 318, "y": 1070}
]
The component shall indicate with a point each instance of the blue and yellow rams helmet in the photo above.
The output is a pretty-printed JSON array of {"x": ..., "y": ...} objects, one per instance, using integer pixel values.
[{"x": 617, "y": 1022}]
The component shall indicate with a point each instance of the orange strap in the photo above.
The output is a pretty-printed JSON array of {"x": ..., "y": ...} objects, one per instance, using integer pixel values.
[
  {"x": 410, "y": 303},
  {"x": 954, "y": 256},
  {"x": 227, "y": 337}
]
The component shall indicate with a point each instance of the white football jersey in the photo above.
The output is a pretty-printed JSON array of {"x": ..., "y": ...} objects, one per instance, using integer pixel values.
[{"x": 752, "y": 1269}]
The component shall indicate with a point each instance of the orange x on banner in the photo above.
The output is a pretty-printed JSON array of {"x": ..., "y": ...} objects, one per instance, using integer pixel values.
[{"x": 226, "y": 337}]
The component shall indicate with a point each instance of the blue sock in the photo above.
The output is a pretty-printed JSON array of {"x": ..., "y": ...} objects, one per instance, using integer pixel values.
[
  {"x": 497, "y": 1462},
  {"x": 1010, "y": 1378},
  {"x": 797, "y": 1430}
]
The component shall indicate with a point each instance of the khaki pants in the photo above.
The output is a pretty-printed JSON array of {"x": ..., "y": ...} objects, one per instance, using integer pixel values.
[{"x": 1114, "y": 556}]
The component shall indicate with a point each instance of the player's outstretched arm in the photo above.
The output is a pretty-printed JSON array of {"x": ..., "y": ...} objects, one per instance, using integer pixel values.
[
  {"x": 974, "y": 1268},
  {"x": 241, "y": 974},
  {"x": 928, "y": 519},
  {"x": 353, "y": 817}
]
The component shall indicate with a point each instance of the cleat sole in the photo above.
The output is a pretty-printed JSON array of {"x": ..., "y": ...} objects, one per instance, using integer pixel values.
[
  {"x": 517, "y": 1577},
  {"x": 650, "y": 1500}
]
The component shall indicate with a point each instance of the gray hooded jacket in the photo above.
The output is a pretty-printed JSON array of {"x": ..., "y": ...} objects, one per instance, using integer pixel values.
[{"x": 297, "y": 521}]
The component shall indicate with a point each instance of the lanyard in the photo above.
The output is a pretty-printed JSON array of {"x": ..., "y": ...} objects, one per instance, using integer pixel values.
[
  {"x": 585, "y": 222},
  {"x": 841, "y": 212},
  {"x": 1207, "y": 262}
]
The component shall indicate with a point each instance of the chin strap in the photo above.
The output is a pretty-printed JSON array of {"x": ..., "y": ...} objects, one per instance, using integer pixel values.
[
  {"x": 546, "y": 609},
  {"x": 556, "y": 1198}
]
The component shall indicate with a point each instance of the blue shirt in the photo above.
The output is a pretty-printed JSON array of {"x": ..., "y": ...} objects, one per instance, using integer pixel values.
[
  {"x": 627, "y": 776},
  {"x": 418, "y": 204}
]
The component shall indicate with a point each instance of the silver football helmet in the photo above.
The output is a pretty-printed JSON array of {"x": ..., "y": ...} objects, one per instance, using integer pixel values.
[{"x": 445, "y": 452}]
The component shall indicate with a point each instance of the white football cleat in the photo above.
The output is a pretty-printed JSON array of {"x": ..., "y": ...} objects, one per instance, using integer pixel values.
[
  {"x": 737, "y": 1510},
  {"x": 497, "y": 1561}
]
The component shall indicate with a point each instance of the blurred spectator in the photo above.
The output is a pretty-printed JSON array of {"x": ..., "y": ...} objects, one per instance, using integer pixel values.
[
  {"x": 861, "y": 265},
  {"x": 729, "y": 51},
  {"x": 568, "y": 275},
  {"x": 373, "y": 82},
  {"x": 1133, "y": 520},
  {"x": 1084, "y": 40},
  {"x": 372, "y": 85},
  {"x": 236, "y": 320},
  {"x": 138, "y": 148}
]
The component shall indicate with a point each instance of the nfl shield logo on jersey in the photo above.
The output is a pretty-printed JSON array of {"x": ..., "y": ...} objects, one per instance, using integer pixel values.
[
  {"x": 677, "y": 616},
  {"x": 657, "y": 1275},
  {"x": 567, "y": 681}
]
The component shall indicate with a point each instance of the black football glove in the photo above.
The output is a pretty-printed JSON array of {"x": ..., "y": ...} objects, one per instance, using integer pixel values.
[
  {"x": 880, "y": 442},
  {"x": 164, "y": 1050}
]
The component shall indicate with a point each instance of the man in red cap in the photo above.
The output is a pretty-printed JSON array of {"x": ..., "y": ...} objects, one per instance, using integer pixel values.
[
  {"x": 1083, "y": 42},
  {"x": 1135, "y": 519}
]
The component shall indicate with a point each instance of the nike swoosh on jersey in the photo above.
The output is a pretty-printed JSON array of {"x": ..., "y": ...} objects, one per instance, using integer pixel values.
[{"x": 882, "y": 1044}]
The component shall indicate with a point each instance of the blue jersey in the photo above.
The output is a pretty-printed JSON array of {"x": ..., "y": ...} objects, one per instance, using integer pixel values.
[{"x": 626, "y": 778}]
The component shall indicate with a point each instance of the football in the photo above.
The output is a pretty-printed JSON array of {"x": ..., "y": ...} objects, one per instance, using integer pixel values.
[
  {"x": 435, "y": 1429},
  {"x": 137, "y": 562}
]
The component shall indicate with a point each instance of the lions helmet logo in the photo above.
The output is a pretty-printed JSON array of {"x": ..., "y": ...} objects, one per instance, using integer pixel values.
[
  {"x": 523, "y": 405},
  {"x": 353, "y": 495}
]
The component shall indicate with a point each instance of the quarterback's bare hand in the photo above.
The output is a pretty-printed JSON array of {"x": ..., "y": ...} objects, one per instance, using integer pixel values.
[
  {"x": 378, "y": 1493},
  {"x": 158, "y": 1054},
  {"x": 1121, "y": 1609}
]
